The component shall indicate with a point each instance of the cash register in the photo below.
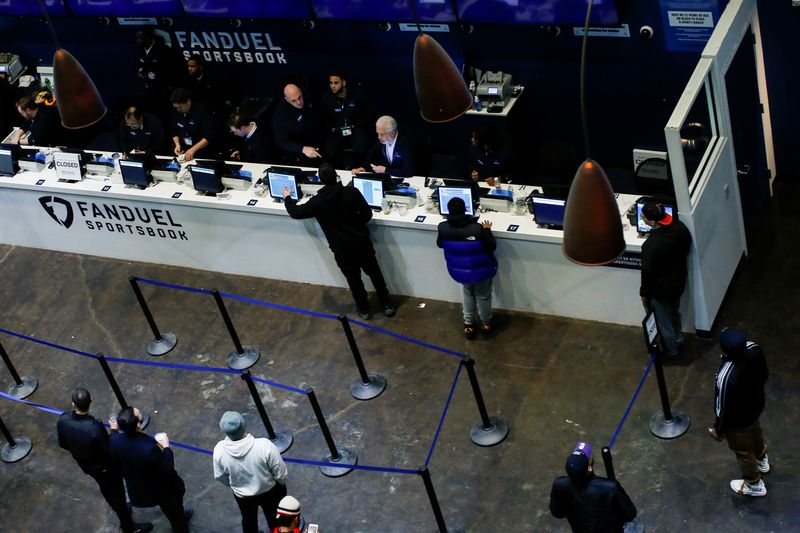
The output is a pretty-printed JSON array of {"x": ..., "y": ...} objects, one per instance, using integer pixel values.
[{"x": 494, "y": 89}]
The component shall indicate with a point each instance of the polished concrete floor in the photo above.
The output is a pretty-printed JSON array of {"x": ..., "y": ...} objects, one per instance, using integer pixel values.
[{"x": 555, "y": 381}]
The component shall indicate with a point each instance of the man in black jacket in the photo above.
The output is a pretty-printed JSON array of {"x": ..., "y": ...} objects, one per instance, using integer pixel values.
[
  {"x": 254, "y": 147},
  {"x": 41, "y": 126},
  {"x": 664, "y": 272},
  {"x": 739, "y": 401},
  {"x": 297, "y": 128},
  {"x": 343, "y": 213},
  {"x": 591, "y": 504},
  {"x": 86, "y": 439},
  {"x": 392, "y": 153}
]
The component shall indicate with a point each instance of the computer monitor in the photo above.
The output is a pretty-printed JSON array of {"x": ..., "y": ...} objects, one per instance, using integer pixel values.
[
  {"x": 548, "y": 211},
  {"x": 278, "y": 178},
  {"x": 370, "y": 188},
  {"x": 641, "y": 225},
  {"x": 206, "y": 180},
  {"x": 448, "y": 193},
  {"x": 135, "y": 173},
  {"x": 225, "y": 169},
  {"x": 9, "y": 154}
]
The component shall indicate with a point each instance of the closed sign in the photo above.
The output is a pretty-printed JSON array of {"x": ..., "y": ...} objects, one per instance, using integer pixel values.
[{"x": 68, "y": 166}]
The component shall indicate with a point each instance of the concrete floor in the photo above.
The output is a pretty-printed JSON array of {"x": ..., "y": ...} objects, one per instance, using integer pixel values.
[{"x": 555, "y": 381}]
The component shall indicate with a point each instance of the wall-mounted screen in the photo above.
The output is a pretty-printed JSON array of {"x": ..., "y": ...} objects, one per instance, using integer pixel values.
[
  {"x": 31, "y": 7},
  {"x": 266, "y": 9},
  {"x": 384, "y": 10},
  {"x": 124, "y": 8},
  {"x": 551, "y": 13}
]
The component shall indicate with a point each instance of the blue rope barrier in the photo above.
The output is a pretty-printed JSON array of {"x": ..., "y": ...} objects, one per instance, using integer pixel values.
[
  {"x": 173, "y": 286},
  {"x": 630, "y": 405},
  {"x": 444, "y": 414},
  {"x": 280, "y": 386},
  {"x": 410, "y": 339},
  {"x": 38, "y": 406},
  {"x": 279, "y": 306},
  {"x": 174, "y": 365},
  {"x": 50, "y": 344}
]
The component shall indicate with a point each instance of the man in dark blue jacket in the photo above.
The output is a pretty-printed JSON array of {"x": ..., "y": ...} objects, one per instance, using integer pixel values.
[
  {"x": 343, "y": 213},
  {"x": 739, "y": 401},
  {"x": 86, "y": 439},
  {"x": 392, "y": 153},
  {"x": 469, "y": 251},
  {"x": 149, "y": 470}
]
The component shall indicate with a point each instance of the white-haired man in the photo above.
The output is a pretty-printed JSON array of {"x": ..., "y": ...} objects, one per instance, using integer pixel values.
[{"x": 392, "y": 153}]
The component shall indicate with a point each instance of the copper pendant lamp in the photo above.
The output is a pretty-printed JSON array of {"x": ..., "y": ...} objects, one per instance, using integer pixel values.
[
  {"x": 592, "y": 222},
  {"x": 79, "y": 103},
  {"x": 441, "y": 91}
]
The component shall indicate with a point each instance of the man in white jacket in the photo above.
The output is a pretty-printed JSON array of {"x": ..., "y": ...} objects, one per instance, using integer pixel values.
[{"x": 252, "y": 468}]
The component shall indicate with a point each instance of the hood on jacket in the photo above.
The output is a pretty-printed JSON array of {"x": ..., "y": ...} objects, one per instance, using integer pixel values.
[{"x": 239, "y": 448}]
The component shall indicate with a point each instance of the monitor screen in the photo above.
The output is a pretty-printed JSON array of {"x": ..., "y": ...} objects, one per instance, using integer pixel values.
[
  {"x": 9, "y": 153},
  {"x": 31, "y": 7},
  {"x": 548, "y": 211},
  {"x": 371, "y": 189},
  {"x": 206, "y": 179},
  {"x": 279, "y": 180},
  {"x": 551, "y": 13},
  {"x": 448, "y": 193},
  {"x": 247, "y": 9},
  {"x": 125, "y": 8},
  {"x": 134, "y": 173},
  {"x": 641, "y": 226}
]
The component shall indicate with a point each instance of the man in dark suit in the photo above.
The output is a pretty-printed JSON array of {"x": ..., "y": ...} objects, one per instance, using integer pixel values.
[
  {"x": 392, "y": 153},
  {"x": 254, "y": 147},
  {"x": 86, "y": 439},
  {"x": 148, "y": 468},
  {"x": 297, "y": 128}
]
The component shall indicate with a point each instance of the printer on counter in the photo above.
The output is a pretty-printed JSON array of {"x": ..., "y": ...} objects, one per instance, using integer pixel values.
[{"x": 494, "y": 89}]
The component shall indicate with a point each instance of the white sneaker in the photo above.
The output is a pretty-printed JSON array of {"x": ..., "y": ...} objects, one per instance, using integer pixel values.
[
  {"x": 740, "y": 486},
  {"x": 763, "y": 464}
]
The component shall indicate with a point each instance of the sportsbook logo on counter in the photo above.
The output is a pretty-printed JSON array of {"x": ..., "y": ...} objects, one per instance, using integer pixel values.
[
  {"x": 230, "y": 46},
  {"x": 115, "y": 218}
]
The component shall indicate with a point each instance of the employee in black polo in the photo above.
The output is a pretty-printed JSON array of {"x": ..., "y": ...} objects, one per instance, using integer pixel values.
[
  {"x": 139, "y": 132},
  {"x": 41, "y": 126},
  {"x": 297, "y": 129},
  {"x": 86, "y": 439},
  {"x": 191, "y": 126},
  {"x": 347, "y": 120}
]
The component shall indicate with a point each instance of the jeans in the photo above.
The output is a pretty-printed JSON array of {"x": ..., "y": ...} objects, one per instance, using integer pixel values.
[
  {"x": 478, "y": 295},
  {"x": 351, "y": 264},
  {"x": 268, "y": 501},
  {"x": 748, "y": 445},
  {"x": 668, "y": 320}
]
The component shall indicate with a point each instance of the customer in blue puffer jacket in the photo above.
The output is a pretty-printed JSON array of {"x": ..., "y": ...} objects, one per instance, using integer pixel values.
[{"x": 469, "y": 251}]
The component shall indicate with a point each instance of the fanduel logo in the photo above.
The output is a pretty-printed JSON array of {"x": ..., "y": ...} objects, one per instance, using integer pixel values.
[{"x": 59, "y": 210}]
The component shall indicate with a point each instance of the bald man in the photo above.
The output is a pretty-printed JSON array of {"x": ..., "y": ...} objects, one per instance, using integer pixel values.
[{"x": 297, "y": 128}]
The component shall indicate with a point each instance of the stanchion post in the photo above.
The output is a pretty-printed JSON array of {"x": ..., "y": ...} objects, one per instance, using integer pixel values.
[
  {"x": 14, "y": 449},
  {"x": 667, "y": 424},
  {"x": 437, "y": 511},
  {"x": 23, "y": 386},
  {"x": 487, "y": 431},
  {"x": 369, "y": 386},
  {"x": 281, "y": 439},
  {"x": 115, "y": 387},
  {"x": 608, "y": 462},
  {"x": 160, "y": 344},
  {"x": 243, "y": 357},
  {"x": 344, "y": 456}
]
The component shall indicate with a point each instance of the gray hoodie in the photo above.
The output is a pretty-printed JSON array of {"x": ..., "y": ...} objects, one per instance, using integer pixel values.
[{"x": 249, "y": 466}]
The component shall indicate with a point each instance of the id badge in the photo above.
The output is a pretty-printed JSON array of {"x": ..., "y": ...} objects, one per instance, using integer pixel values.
[
  {"x": 187, "y": 141},
  {"x": 347, "y": 130}
]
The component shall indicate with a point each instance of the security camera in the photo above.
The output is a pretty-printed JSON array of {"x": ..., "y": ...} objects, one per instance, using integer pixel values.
[{"x": 646, "y": 32}]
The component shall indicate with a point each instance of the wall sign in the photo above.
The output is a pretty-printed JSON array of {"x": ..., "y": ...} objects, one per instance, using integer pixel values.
[
  {"x": 688, "y": 23},
  {"x": 629, "y": 260}
]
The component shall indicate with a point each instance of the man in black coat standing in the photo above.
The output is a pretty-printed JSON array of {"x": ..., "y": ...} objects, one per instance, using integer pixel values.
[
  {"x": 86, "y": 439},
  {"x": 149, "y": 470},
  {"x": 343, "y": 213},
  {"x": 738, "y": 403}
]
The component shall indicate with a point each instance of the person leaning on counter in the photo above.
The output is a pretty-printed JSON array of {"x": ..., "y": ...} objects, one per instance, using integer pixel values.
[
  {"x": 139, "y": 132},
  {"x": 42, "y": 126},
  {"x": 192, "y": 125},
  {"x": 391, "y": 153}
]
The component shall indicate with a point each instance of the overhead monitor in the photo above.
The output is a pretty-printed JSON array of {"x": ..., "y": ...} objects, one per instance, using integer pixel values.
[
  {"x": 448, "y": 193},
  {"x": 384, "y": 11},
  {"x": 265, "y": 9},
  {"x": 31, "y": 7},
  {"x": 135, "y": 173},
  {"x": 641, "y": 225},
  {"x": 278, "y": 178},
  {"x": 370, "y": 188},
  {"x": 125, "y": 8},
  {"x": 206, "y": 180},
  {"x": 548, "y": 211},
  {"x": 9, "y": 155},
  {"x": 550, "y": 13}
]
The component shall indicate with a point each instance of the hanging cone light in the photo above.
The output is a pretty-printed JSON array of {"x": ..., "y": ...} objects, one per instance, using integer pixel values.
[
  {"x": 441, "y": 91},
  {"x": 592, "y": 222},
  {"x": 79, "y": 103}
]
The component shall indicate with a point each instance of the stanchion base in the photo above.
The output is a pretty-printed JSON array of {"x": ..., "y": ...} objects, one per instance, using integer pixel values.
[
  {"x": 283, "y": 439},
  {"x": 13, "y": 454},
  {"x": 669, "y": 429},
  {"x": 24, "y": 389},
  {"x": 244, "y": 360},
  {"x": 346, "y": 458},
  {"x": 490, "y": 436},
  {"x": 145, "y": 419},
  {"x": 163, "y": 345},
  {"x": 368, "y": 391}
]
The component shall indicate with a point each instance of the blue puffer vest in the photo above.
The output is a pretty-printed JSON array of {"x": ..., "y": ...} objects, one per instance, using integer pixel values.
[{"x": 468, "y": 261}]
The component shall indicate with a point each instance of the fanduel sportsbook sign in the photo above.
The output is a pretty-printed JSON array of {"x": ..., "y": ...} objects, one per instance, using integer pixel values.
[
  {"x": 110, "y": 217},
  {"x": 231, "y": 46}
]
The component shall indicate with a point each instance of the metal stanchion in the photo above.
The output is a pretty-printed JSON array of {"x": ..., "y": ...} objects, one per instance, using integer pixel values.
[
  {"x": 487, "y": 431},
  {"x": 608, "y": 462},
  {"x": 367, "y": 386},
  {"x": 437, "y": 511},
  {"x": 23, "y": 386},
  {"x": 161, "y": 343},
  {"x": 15, "y": 449},
  {"x": 667, "y": 424},
  {"x": 282, "y": 439},
  {"x": 243, "y": 357},
  {"x": 115, "y": 387},
  {"x": 344, "y": 456}
]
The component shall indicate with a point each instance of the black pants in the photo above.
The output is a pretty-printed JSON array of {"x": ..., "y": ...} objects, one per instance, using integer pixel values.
[
  {"x": 112, "y": 489},
  {"x": 268, "y": 502},
  {"x": 335, "y": 144},
  {"x": 351, "y": 263},
  {"x": 172, "y": 507}
]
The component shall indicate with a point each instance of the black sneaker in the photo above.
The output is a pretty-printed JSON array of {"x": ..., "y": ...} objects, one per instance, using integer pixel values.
[
  {"x": 470, "y": 332},
  {"x": 187, "y": 512},
  {"x": 363, "y": 313},
  {"x": 389, "y": 310},
  {"x": 143, "y": 527},
  {"x": 486, "y": 330}
]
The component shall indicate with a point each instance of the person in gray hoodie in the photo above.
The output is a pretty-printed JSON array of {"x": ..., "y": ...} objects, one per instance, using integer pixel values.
[{"x": 252, "y": 468}]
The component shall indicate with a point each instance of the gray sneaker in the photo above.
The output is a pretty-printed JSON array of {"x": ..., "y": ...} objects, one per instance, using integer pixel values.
[
  {"x": 740, "y": 486},
  {"x": 763, "y": 464}
]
